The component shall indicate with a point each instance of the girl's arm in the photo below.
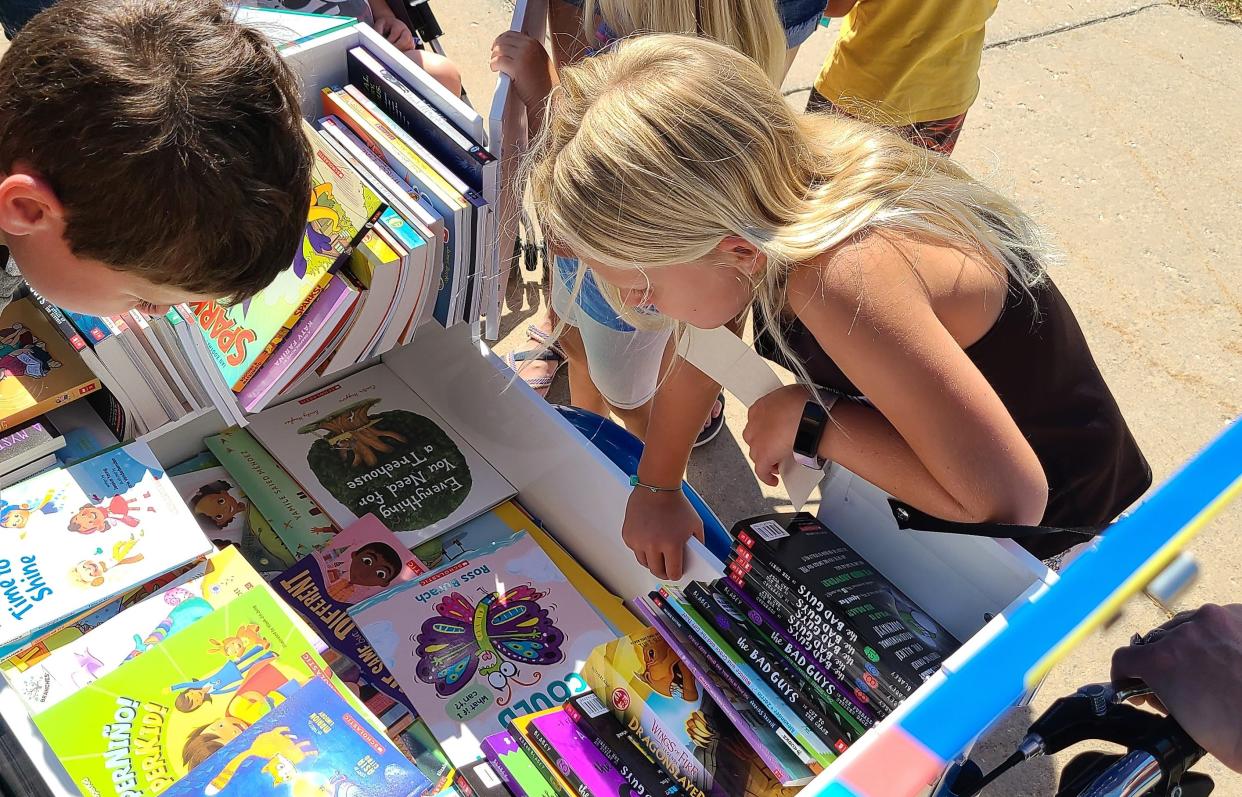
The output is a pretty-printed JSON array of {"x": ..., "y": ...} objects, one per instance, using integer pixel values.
[
  {"x": 938, "y": 436},
  {"x": 839, "y": 8},
  {"x": 569, "y": 40}
]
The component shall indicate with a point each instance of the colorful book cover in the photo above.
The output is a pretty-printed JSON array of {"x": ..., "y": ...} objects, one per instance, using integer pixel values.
[
  {"x": 480, "y": 780},
  {"x": 519, "y": 731},
  {"x": 299, "y": 523},
  {"x": 92, "y": 327},
  {"x": 369, "y": 444},
  {"x": 343, "y": 208},
  {"x": 218, "y": 504},
  {"x": 474, "y": 646},
  {"x": 362, "y": 561},
  {"x": 78, "y": 536},
  {"x": 575, "y": 757},
  {"x": 314, "y": 743},
  {"x": 38, "y": 369},
  {"x": 226, "y": 575},
  {"x": 144, "y": 726},
  {"x": 621, "y": 748},
  {"x": 514, "y": 767}
]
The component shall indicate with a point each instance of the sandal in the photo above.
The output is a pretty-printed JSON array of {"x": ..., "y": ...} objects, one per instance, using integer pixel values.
[
  {"x": 542, "y": 352},
  {"x": 714, "y": 424}
]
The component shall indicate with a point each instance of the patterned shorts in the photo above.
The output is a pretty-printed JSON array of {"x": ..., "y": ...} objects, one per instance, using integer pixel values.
[{"x": 939, "y": 135}]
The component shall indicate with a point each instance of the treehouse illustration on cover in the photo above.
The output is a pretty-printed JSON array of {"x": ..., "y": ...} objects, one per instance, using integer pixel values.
[
  {"x": 72, "y": 538},
  {"x": 369, "y": 444},
  {"x": 482, "y": 641},
  {"x": 143, "y": 726},
  {"x": 343, "y": 208},
  {"x": 314, "y": 745}
]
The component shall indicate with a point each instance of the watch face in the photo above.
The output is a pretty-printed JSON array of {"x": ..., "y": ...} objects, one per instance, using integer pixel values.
[{"x": 810, "y": 432}]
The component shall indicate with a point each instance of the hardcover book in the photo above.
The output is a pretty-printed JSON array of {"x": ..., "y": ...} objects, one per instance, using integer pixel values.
[
  {"x": 38, "y": 369},
  {"x": 476, "y": 644},
  {"x": 78, "y": 536},
  {"x": 369, "y": 444}
]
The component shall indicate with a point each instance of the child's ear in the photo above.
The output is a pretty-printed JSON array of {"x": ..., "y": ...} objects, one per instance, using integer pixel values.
[
  {"x": 28, "y": 204},
  {"x": 740, "y": 252}
]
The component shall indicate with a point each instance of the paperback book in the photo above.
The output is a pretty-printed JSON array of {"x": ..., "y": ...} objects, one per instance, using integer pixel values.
[
  {"x": 218, "y": 504},
  {"x": 38, "y": 369},
  {"x": 369, "y": 444},
  {"x": 514, "y": 767},
  {"x": 31, "y": 442},
  {"x": 473, "y": 645},
  {"x": 579, "y": 762},
  {"x": 78, "y": 536},
  {"x": 622, "y": 749},
  {"x": 519, "y": 731}
]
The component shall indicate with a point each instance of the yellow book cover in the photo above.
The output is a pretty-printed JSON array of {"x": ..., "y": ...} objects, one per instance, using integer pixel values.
[
  {"x": 38, "y": 369},
  {"x": 519, "y": 730}
]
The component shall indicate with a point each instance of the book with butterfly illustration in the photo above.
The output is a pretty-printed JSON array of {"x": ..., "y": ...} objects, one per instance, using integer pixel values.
[
  {"x": 145, "y": 725},
  {"x": 315, "y": 743},
  {"x": 75, "y": 537},
  {"x": 369, "y": 445},
  {"x": 477, "y": 643},
  {"x": 362, "y": 561}
]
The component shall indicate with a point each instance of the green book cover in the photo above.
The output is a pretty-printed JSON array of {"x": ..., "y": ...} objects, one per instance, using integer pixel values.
[
  {"x": 140, "y": 728},
  {"x": 292, "y": 515},
  {"x": 515, "y": 767}
]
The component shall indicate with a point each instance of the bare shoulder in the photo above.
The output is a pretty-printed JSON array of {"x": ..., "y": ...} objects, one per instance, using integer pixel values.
[{"x": 873, "y": 268}]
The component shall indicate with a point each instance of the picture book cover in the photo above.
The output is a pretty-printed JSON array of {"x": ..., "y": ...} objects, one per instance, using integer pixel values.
[
  {"x": 573, "y": 755},
  {"x": 474, "y": 645},
  {"x": 75, "y": 537},
  {"x": 315, "y": 744},
  {"x": 369, "y": 444},
  {"x": 137, "y": 629},
  {"x": 218, "y": 504},
  {"x": 514, "y": 767},
  {"x": 297, "y": 520},
  {"x": 362, "y": 561},
  {"x": 38, "y": 369},
  {"x": 343, "y": 208},
  {"x": 148, "y": 723}
]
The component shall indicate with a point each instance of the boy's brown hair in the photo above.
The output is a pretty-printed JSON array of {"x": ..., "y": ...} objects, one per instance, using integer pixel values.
[{"x": 171, "y": 134}]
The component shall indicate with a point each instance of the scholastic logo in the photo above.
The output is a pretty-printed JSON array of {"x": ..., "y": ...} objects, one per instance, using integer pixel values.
[{"x": 620, "y": 699}]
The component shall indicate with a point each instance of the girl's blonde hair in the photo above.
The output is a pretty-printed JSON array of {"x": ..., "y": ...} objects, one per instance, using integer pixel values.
[
  {"x": 655, "y": 152},
  {"x": 752, "y": 27}
]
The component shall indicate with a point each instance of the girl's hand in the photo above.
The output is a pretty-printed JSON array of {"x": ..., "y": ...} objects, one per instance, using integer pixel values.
[
  {"x": 524, "y": 60},
  {"x": 771, "y": 426},
  {"x": 395, "y": 31},
  {"x": 656, "y": 528}
]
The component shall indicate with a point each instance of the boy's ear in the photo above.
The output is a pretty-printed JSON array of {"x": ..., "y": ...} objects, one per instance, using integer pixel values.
[
  {"x": 741, "y": 253},
  {"x": 27, "y": 203}
]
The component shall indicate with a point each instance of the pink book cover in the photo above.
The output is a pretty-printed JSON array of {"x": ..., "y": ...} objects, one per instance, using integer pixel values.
[{"x": 577, "y": 759}]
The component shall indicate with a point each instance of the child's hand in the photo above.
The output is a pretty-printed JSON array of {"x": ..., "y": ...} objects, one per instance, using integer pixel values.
[
  {"x": 524, "y": 60},
  {"x": 395, "y": 31},
  {"x": 656, "y": 528},
  {"x": 771, "y": 426}
]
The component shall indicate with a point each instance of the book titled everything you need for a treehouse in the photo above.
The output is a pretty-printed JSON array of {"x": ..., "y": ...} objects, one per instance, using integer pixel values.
[{"x": 369, "y": 444}]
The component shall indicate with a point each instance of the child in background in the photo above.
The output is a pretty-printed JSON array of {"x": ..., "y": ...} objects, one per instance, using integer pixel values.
[
  {"x": 882, "y": 275},
  {"x": 911, "y": 65},
  {"x": 151, "y": 153}
]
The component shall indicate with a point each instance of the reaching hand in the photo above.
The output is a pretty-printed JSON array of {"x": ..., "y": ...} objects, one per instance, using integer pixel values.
[
  {"x": 771, "y": 426},
  {"x": 395, "y": 31},
  {"x": 656, "y": 528},
  {"x": 1193, "y": 664},
  {"x": 524, "y": 60}
]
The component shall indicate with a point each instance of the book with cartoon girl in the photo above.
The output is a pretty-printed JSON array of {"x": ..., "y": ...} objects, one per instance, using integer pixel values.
[
  {"x": 145, "y": 725},
  {"x": 316, "y": 743},
  {"x": 73, "y": 538},
  {"x": 358, "y": 563},
  {"x": 479, "y": 642},
  {"x": 343, "y": 209}
]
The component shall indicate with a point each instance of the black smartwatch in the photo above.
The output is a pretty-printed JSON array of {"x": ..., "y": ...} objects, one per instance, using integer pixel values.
[{"x": 811, "y": 432}]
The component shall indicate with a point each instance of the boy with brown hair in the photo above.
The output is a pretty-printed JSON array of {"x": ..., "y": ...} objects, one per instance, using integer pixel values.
[{"x": 151, "y": 153}]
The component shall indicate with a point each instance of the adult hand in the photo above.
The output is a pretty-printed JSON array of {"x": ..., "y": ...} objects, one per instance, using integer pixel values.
[
  {"x": 524, "y": 60},
  {"x": 1193, "y": 664},
  {"x": 771, "y": 426},
  {"x": 656, "y": 528},
  {"x": 395, "y": 31}
]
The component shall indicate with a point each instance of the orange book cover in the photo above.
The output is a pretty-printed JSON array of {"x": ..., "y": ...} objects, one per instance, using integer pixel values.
[{"x": 38, "y": 369}]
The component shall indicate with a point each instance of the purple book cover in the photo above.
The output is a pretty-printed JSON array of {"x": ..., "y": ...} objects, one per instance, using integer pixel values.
[
  {"x": 315, "y": 325},
  {"x": 578, "y": 759},
  {"x": 495, "y": 749}
]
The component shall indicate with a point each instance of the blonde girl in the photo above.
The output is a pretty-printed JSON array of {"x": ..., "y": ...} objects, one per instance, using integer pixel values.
[{"x": 881, "y": 273}]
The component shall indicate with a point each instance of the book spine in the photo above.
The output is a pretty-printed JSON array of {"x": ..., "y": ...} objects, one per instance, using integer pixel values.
[
  {"x": 93, "y": 328},
  {"x": 823, "y": 620},
  {"x": 836, "y": 730},
  {"x": 66, "y": 329},
  {"x": 263, "y": 356},
  {"x": 541, "y": 764},
  {"x": 729, "y": 693},
  {"x": 815, "y": 746},
  {"x": 498, "y": 765},
  {"x": 827, "y": 674},
  {"x": 561, "y": 763},
  {"x": 807, "y": 674},
  {"x": 621, "y": 749}
]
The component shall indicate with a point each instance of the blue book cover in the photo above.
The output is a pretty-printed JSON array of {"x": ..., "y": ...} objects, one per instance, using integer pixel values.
[
  {"x": 315, "y": 743},
  {"x": 93, "y": 329}
]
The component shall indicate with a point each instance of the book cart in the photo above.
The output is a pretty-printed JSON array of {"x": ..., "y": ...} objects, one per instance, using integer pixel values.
[{"x": 1014, "y": 616}]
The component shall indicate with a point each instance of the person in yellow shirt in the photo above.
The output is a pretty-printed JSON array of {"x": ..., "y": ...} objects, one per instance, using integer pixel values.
[{"x": 910, "y": 65}]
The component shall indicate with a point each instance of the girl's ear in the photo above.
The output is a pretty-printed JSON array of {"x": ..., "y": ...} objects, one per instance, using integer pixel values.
[{"x": 742, "y": 254}]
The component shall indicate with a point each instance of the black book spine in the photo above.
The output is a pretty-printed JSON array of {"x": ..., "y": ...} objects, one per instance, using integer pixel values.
[
  {"x": 554, "y": 780},
  {"x": 806, "y": 673},
  {"x": 620, "y": 747},
  {"x": 834, "y": 730},
  {"x": 67, "y": 330},
  {"x": 825, "y": 672},
  {"x": 564, "y": 766}
]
